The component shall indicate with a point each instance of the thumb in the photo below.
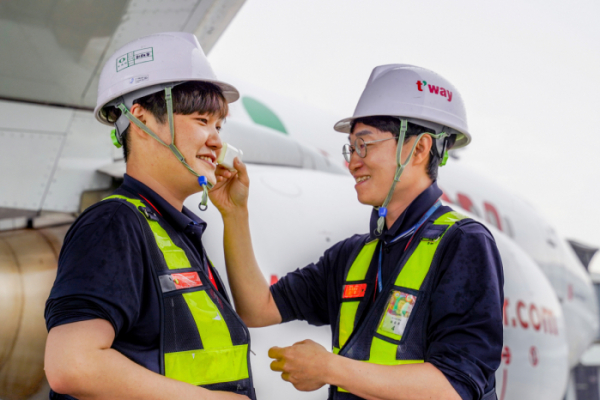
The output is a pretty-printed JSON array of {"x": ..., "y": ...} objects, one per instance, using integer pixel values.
[{"x": 242, "y": 171}]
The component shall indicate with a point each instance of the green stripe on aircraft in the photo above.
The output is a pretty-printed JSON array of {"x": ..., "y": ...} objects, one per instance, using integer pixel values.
[{"x": 262, "y": 115}]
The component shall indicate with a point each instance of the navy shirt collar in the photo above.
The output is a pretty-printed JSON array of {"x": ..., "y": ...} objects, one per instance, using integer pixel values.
[
  {"x": 410, "y": 216},
  {"x": 179, "y": 220}
]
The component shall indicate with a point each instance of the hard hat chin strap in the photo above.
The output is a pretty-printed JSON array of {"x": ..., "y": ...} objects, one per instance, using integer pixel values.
[
  {"x": 400, "y": 168},
  {"x": 202, "y": 181}
]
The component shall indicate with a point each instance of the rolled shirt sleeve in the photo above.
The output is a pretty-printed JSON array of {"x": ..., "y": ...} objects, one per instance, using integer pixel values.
[
  {"x": 465, "y": 332},
  {"x": 313, "y": 293},
  {"x": 100, "y": 270}
]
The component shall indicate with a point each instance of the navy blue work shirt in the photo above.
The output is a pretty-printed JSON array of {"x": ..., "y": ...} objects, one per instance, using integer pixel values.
[
  {"x": 464, "y": 330},
  {"x": 105, "y": 271}
]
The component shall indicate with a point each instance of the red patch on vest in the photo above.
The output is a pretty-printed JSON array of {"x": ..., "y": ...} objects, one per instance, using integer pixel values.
[
  {"x": 354, "y": 291},
  {"x": 186, "y": 280}
]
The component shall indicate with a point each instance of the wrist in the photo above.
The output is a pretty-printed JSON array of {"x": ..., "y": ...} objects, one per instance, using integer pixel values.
[
  {"x": 234, "y": 215},
  {"x": 329, "y": 366}
]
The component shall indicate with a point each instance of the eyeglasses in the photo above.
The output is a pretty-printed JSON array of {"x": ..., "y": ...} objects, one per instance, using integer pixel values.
[
  {"x": 110, "y": 114},
  {"x": 360, "y": 146}
]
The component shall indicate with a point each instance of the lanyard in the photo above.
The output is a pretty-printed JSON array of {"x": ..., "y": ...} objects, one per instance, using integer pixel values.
[{"x": 411, "y": 231}]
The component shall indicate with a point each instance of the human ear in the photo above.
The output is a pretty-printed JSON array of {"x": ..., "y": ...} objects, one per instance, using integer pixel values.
[
  {"x": 422, "y": 149},
  {"x": 141, "y": 114}
]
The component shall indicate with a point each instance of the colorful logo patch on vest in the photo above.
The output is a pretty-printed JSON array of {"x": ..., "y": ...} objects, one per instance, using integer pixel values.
[
  {"x": 398, "y": 312},
  {"x": 186, "y": 280},
  {"x": 354, "y": 291}
]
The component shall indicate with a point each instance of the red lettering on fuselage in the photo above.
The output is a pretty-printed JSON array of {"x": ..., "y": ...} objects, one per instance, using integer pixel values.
[
  {"x": 540, "y": 319},
  {"x": 570, "y": 291},
  {"x": 491, "y": 215},
  {"x": 446, "y": 198},
  {"x": 520, "y": 306},
  {"x": 549, "y": 322},
  {"x": 465, "y": 202},
  {"x": 533, "y": 357},
  {"x": 505, "y": 355},
  {"x": 534, "y": 317}
]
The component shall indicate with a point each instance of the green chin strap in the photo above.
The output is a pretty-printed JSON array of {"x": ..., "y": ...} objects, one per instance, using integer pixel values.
[
  {"x": 400, "y": 168},
  {"x": 206, "y": 185}
]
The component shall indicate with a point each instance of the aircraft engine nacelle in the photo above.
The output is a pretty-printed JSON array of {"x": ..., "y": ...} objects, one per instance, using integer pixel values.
[{"x": 28, "y": 260}]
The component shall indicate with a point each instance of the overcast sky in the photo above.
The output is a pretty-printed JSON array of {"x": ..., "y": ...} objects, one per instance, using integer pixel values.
[{"x": 528, "y": 71}]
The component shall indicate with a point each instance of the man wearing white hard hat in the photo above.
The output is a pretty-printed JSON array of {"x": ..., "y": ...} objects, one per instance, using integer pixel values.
[
  {"x": 415, "y": 305},
  {"x": 137, "y": 311}
]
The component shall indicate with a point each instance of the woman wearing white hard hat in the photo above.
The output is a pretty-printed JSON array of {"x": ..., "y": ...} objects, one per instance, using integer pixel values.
[
  {"x": 415, "y": 305},
  {"x": 137, "y": 310}
]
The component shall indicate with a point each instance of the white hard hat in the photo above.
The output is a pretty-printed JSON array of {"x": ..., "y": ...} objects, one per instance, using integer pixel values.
[
  {"x": 416, "y": 94},
  {"x": 146, "y": 65}
]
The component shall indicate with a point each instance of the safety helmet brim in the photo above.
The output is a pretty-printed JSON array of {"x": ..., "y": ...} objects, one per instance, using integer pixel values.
[
  {"x": 230, "y": 93},
  {"x": 413, "y": 93},
  {"x": 462, "y": 139},
  {"x": 152, "y": 62}
]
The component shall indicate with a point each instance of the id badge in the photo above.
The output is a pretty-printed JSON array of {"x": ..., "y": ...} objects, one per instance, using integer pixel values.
[{"x": 398, "y": 312}]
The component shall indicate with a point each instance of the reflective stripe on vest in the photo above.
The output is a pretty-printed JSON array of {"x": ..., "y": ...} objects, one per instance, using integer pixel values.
[
  {"x": 411, "y": 276},
  {"x": 219, "y": 361}
]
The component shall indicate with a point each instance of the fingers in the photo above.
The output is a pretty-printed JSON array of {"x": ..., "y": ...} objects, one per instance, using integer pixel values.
[
  {"x": 276, "y": 352},
  {"x": 223, "y": 175},
  {"x": 242, "y": 171},
  {"x": 277, "y": 365},
  {"x": 221, "y": 171}
]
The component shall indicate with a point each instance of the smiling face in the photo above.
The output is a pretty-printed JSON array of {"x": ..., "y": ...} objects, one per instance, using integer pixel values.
[
  {"x": 199, "y": 109},
  {"x": 374, "y": 174},
  {"x": 196, "y": 137}
]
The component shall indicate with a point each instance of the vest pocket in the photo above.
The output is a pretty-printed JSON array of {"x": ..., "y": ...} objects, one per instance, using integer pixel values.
[
  {"x": 203, "y": 367},
  {"x": 396, "y": 319},
  {"x": 195, "y": 315},
  {"x": 389, "y": 344}
]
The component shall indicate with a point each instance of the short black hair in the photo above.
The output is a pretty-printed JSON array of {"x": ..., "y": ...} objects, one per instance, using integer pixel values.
[
  {"x": 188, "y": 98},
  {"x": 392, "y": 124}
]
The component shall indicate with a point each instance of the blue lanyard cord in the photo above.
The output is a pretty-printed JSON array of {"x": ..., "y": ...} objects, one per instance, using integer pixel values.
[{"x": 403, "y": 235}]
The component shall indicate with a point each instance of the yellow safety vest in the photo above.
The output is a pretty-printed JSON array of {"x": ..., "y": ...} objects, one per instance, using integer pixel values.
[
  {"x": 386, "y": 346},
  {"x": 192, "y": 311}
]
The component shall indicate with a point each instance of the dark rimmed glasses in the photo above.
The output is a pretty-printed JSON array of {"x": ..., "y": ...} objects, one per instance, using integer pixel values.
[{"x": 360, "y": 146}]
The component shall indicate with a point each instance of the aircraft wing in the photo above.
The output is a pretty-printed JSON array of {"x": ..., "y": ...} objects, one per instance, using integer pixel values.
[
  {"x": 53, "y": 51},
  {"x": 52, "y": 56}
]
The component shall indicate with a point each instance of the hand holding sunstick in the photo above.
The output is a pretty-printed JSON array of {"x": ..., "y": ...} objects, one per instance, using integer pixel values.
[{"x": 227, "y": 155}]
